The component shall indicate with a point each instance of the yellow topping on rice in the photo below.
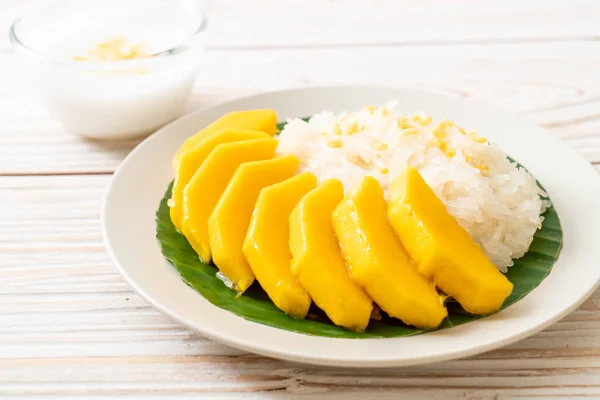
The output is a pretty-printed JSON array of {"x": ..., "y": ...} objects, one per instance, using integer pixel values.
[
  {"x": 423, "y": 121},
  {"x": 351, "y": 128},
  {"x": 410, "y": 131},
  {"x": 476, "y": 138},
  {"x": 446, "y": 149},
  {"x": 440, "y": 131},
  {"x": 426, "y": 121},
  {"x": 442, "y": 138},
  {"x": 335, "y": 143},
  {"x": 337, "y": 130},
  {"x": 449, "y": 151},
  {"x": 359, "y": 161},
  {"x": 443, "y": 145},
  {"x": 480, "y": 167},
  {"x": 433, "y": 143}
]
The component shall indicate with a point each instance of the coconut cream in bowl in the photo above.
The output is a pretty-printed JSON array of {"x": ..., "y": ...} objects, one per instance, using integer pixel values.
[{"x": 112, "y": 69}]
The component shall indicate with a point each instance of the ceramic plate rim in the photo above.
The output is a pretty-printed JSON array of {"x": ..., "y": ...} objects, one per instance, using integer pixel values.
[{"x": 122, "y": 220}]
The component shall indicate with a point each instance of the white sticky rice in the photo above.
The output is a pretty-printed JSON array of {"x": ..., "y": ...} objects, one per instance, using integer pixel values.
[{"x": 498, "y": 203}]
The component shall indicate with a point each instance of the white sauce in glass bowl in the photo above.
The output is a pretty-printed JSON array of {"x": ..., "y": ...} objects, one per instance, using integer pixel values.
[{"x": 112, "y": 99}]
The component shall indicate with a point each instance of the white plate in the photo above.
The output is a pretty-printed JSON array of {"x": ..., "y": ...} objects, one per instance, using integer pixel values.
[{"x": 573, "y": 185}]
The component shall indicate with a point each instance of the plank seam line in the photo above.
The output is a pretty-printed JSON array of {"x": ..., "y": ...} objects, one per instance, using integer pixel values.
[
  {"x": 588, "y": 101},
  {"x": 425, "y": 43},
  {"x": 55, "y": 173},
  {"x": 428, "y": 43}
]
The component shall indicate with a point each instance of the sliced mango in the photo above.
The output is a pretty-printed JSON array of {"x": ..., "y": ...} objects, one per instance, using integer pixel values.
[
  {"x": 443, "y": 251},
  {"x": 191, "y": 160},
  {"x": 318, "y": 262},
  {"x": 256, "y": 120},
  {"x": 202, "y": 193},
  {"x": 267, "y": 248},
  {"x": 228, "y": 223},
  {"x": 377, "y": 261}
]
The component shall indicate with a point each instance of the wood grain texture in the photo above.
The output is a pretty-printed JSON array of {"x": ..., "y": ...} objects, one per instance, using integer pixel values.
[{"x": 71, "y": 327}]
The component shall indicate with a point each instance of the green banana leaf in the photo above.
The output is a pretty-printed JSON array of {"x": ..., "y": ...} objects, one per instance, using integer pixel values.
[{"x": 254, "y": 305}]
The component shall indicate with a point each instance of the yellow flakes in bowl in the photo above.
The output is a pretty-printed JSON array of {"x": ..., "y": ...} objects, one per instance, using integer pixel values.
[{"x": 115, "y": 49}]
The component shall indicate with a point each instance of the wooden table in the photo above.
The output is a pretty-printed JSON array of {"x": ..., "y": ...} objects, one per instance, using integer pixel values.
[{"x": 71, "y": 327}]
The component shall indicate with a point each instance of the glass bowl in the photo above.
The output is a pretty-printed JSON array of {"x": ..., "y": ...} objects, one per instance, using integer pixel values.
[{"x": 110, "y": 98}]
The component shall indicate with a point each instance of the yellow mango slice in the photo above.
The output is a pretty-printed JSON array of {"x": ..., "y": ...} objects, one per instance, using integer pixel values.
[
  {"x": 318, "y": 262},
  {"x": 377, "y": 261},
  {"x": 204, "y": 190},
  {"x": 255, "y": 120},
  {"x": 191, "y": 160},
  {"x": 267, "y": 248},
  {"x": 443, "y": 251},
  {"x": 228, "y": 223}
]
